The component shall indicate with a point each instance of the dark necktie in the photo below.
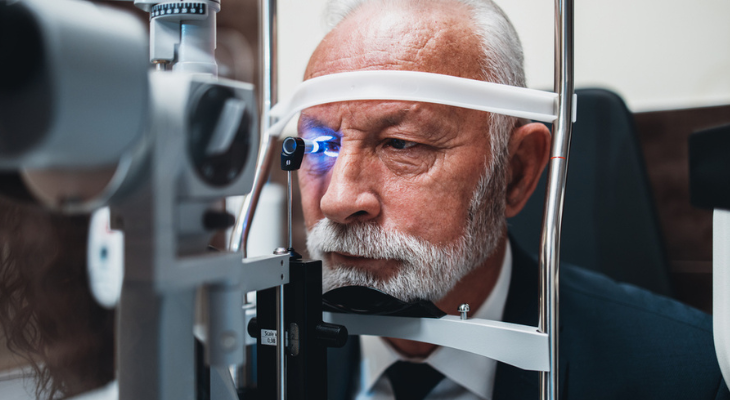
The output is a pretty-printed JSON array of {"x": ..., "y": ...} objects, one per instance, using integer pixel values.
[{"x": 412, "y": 381}]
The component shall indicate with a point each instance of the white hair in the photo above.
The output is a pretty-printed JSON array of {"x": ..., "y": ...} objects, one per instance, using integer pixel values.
[{"x": 502, "y": 57}]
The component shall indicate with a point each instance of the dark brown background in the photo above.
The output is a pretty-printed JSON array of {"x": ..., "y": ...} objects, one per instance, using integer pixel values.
[{"x": 687, "y": 230}]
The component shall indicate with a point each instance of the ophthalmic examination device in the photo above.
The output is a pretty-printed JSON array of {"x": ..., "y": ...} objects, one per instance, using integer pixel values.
[{"x": 80, "y": 95}]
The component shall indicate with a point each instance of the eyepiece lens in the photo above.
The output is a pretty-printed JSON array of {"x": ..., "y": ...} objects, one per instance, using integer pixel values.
[{"x": 290, "y": 145}]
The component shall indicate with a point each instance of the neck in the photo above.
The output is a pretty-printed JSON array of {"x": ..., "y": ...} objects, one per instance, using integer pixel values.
[{"x": 472, "y": 289}]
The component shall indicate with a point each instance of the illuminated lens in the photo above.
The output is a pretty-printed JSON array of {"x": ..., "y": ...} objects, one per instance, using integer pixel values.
[
  {"x": 327, "y": 145},
  {"x": 290, "y": 145}
]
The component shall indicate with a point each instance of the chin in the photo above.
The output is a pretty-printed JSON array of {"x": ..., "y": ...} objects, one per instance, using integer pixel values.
[{"x": 406, "y": 284}]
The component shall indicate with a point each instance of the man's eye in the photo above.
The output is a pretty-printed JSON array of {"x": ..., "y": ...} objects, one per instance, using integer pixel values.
[{"x": 400, "y": 144}]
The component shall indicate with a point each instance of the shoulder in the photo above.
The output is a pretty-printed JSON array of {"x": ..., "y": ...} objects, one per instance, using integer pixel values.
[
  {"x": 614, "y": 332},
  {"x": 585, "y": 289}
]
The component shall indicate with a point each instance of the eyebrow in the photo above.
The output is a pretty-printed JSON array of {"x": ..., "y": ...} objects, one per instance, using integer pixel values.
[{"x": 310, "y": 123}]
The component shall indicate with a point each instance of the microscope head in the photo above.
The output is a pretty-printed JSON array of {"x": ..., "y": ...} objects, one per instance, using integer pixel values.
[{"x": 73, "y": 92}]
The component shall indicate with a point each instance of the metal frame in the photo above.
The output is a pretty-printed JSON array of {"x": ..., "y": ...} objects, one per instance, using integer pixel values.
[
  {"x": 553, "y": 214},
  {"x": 514, "y": 344}
]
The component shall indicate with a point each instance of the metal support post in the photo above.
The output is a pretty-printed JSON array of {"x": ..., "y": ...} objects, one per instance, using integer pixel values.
[
  {"x": 557, "y": 174},
  {"x": 268, "y": 91}
]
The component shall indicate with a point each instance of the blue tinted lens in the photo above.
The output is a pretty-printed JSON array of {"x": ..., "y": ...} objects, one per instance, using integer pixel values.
[
  {"x": 327, "y": 145},
  {"x": 290, "y": 145}
]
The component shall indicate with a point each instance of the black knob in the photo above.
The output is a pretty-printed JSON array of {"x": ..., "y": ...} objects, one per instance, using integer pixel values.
[
  {"x": 292, "y": 153},
  {"x": 253, "y": 328},
  {"x": 331, "y": 335},
  {"x": 218, "y": 220}
]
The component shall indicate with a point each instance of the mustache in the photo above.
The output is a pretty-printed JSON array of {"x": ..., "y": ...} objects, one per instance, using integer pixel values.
[{"x": 367, "y": 240}]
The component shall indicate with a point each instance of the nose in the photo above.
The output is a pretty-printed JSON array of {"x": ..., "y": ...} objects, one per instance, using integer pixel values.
[{"x": 351, "y": 194}]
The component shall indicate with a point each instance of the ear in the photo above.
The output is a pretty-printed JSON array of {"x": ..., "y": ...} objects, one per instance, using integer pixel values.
[{"x": 529, "y": 148}]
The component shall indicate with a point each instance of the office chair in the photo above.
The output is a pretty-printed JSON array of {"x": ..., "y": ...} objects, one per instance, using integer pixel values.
[{"x": 609, "y": 220}]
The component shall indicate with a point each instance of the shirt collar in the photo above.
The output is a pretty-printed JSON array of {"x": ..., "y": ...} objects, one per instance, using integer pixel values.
[{"x": 466, "y": 369}]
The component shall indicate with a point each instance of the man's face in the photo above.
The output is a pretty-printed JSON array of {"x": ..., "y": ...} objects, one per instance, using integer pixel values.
[{"x": 405, "y": 170}]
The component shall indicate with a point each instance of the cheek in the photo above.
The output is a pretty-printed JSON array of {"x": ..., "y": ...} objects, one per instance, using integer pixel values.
[
  {"x": 312, "y": 188},
  {"x": 436, "y": 213},
  {"x": 409, "y": 163}
]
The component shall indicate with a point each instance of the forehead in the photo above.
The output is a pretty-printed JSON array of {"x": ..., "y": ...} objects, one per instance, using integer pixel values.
[
  {"x": 434, "y": 36},
  {"x": 431, "y": 121}
]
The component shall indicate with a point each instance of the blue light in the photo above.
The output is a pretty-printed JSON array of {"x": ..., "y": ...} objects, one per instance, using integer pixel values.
[
  {"x": 323, "y": 139},
  {"x": 326, "y": 145}
]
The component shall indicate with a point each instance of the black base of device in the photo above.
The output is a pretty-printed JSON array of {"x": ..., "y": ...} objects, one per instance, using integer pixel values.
[{"x": 306, "y": 354}]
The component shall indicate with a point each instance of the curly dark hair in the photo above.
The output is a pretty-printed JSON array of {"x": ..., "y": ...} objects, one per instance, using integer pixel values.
[{"x": 47, "y": 313}]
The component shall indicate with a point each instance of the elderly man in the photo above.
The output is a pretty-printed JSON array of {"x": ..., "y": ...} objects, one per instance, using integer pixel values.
[{"x": 416, "y": 203}]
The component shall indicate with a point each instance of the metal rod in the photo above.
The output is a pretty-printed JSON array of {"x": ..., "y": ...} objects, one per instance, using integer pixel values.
[
  {"x": 242, "y": 228},
  {"x": 280, "y": 345},
  {"x": 557, "y": 174},
  {"x": 160, "y": 66},
  {"x": 268, "y": 94},
  {"x": 289, "y": 205},
  {"x": 267, "y": 150}
]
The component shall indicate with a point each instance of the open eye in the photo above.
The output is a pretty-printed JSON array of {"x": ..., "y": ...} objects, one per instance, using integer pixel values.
[
  {"x": 327, "y": 145},
  {"x": 322, "y": 154},
  {"x": 400, "y": 144}
]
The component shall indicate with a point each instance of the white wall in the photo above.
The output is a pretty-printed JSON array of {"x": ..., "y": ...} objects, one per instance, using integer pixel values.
[{"x": 658, "y": 55}]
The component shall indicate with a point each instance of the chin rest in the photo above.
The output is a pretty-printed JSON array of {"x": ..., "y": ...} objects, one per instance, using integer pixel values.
[{"x": 365, "y": 300}]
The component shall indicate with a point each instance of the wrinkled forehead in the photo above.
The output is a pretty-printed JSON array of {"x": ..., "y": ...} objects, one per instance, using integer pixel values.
[
  {"x": 372, "y": 116},
  {"x": 433, "y": 37},
  {"x": 332, "y": 114}
]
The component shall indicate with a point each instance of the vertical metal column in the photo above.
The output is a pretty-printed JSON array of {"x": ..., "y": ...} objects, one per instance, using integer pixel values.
[
  {"x": 557, "y": 174},
  {"x": 280, "y": 345},
  {"x": 266, "y": 153},
  {"x": 268, "y": 97}
]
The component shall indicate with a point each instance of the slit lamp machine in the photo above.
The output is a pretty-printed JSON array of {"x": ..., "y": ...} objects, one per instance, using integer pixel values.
[{"x": 177, "y": 140}]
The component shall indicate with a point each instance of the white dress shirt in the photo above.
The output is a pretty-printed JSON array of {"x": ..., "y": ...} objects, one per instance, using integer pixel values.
[{"x": 467, "y": 376}]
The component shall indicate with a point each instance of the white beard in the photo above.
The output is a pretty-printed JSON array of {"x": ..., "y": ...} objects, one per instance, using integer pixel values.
[{"x": 426, "y": 271}]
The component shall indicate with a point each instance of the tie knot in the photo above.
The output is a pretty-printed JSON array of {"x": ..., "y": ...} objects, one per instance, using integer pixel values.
[{"x": 412, "y": 381}]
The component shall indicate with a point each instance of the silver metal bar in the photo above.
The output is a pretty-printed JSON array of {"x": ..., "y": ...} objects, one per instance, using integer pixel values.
[
  {"x": 518, "y": 345},
  {"x": 289, "y": 205},
  {"x": 268, "y": 94},
  {"x": 160, "y": 66},
  {"x": 553, "y": 215},
  {"x": 239, "y": 236},
  {"x": 280, "y": 345}
]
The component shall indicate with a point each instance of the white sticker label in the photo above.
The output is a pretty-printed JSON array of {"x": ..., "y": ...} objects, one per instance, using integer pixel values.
[
  {"x": 105, "y": 259},
  {"x": 268, "y": 337}
]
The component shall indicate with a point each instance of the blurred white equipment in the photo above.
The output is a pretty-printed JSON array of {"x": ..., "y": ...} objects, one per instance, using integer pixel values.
[{"x": 80, "y": 98}]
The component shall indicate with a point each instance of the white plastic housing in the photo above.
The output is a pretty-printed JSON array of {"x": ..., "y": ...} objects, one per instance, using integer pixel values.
[
  {"x": 721, "y": 289},
  {"x": 94, "y": 66}
]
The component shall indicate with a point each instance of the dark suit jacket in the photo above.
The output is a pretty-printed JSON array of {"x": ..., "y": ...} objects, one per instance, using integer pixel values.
[{"x": 616, "y": 342}]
